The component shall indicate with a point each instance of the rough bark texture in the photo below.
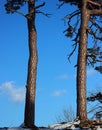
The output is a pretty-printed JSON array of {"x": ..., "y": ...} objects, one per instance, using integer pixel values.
[
  {"x": 81, "y": 70},
  {"x": 32, "y": 68}
]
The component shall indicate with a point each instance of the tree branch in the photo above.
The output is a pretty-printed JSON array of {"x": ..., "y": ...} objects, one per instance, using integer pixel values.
[
  {"x": 90, "y": 31},
  {"x": 94, "y": 3},
  {"x": 41, "y": 5},
  {"x": 18, "y": 12},
  {"x": 45, "y": 14},
  {"x": 59, "y": 6},
  {"x": 95, "y": 24},
  {"x": 95, "y": 12},
  {"x": 75, "y": 46},
  {"x": 70, "y": 16}
]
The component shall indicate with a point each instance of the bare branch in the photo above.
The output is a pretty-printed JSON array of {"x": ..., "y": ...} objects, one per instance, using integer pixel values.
[
  {"x": 94, "y": 3},
  {"x": 45, "y": 14},
  {"x": 95, "y": 24},
  {"x": 95, "y": 12},
  {"x": 59, "y": 6},
  {"x": 70, "y": 16},
  {"x": 94, "y": 108},
  {"x": 91, "y": 32},
  {"x": 41, "y": 5},
  {"x": 75, "y": 46}
]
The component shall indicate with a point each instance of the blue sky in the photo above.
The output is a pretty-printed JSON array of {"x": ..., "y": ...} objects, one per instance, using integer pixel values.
[{"x": 56, "y": 77}]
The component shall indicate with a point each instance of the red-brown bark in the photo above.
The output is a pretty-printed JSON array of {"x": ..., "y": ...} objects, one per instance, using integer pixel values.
[
  {"x": 81, "y": 69},
  {"x": 32, "y": 68}
]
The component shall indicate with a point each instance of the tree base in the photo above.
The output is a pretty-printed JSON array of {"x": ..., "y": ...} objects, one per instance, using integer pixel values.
[
  {"x": 90, "y": 123},
  {"x": 33, "y": 127}
]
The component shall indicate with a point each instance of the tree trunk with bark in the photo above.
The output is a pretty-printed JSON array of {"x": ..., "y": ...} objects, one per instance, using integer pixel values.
[
  {"x": 81, "y": 69},
  {"x": 29, "y": 119}
]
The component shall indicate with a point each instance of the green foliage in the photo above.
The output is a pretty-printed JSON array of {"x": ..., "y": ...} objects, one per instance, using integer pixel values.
[
  {"x": 99, "y": 69},
  {"x": 94, "y": 55},
  {"x": 94, "y": 32},
  {"x": 95, "y": 96},
  {"x": 94, "y": 58},
  {"x": 13, "y": 5}
]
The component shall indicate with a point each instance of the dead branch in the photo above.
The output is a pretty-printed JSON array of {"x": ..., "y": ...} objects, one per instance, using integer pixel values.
[
  {"x": 75, "y": 46},
  {"x": 41, "y": 5},
  {"x": 91, "y": 32},
  {"x": 95, "y": 12},
  {"x": 95, "y": 24},
  {"x": 94, "y": 3},
  {"x": 45, "y": 14},
  {"x": 70, "y": 16},
  {"x": 59, "y": 6}
]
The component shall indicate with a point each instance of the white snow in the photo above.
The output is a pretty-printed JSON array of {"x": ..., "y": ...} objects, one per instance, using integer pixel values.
[
  {"x": 45, "y": 128},
  {"x": 70, "y": 125},
  {"x": 62, "y": 126}
]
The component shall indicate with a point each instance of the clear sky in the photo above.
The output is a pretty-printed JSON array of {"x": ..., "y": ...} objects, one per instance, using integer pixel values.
[{"x": 56, "y": 77}]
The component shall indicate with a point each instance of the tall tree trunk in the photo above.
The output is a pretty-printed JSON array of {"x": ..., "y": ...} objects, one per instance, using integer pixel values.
[
  {"x": 81, "y": 69},
  {"x": 29, "y": 119}
]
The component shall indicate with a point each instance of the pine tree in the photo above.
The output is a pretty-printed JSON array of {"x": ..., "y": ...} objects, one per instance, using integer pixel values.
[
  {"x": 13, "y": 6},
  {"x": 87, "y": 24}
]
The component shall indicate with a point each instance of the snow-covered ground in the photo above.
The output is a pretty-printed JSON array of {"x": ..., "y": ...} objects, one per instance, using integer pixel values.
[
  {"x": 68, "y": 126},
  {"x": 46, "y": 128}
]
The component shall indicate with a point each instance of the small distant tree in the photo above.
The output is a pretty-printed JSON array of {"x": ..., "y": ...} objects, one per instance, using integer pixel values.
[{"x": 67, "y": 115}]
